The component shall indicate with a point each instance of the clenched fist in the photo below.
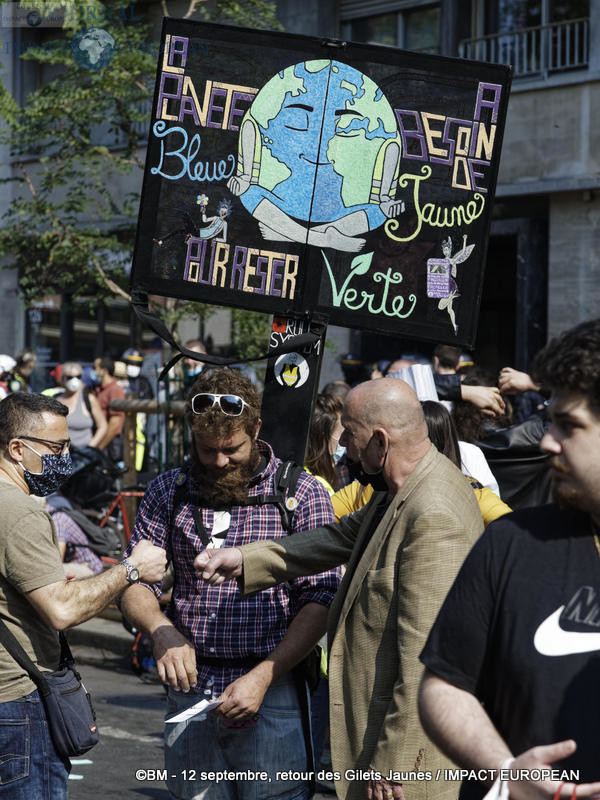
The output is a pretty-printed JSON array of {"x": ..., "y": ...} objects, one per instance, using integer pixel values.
[
  {"x": 150, "y": 560},
  {"x": 217, "y": 566}
]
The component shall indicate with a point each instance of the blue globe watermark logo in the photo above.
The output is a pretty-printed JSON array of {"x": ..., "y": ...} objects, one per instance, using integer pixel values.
[
  {"x": 93, "y": 48},
  {"x": 34, "y": 18}
]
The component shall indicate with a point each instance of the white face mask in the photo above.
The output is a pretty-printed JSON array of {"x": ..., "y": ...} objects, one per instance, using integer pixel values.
[
  {"x": 340, "y": 452},
  {"x": 133, "y": 371},
  {"x": 73, "y": 384}
]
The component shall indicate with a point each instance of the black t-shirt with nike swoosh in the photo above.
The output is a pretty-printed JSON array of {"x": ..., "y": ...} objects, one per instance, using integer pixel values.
[{"x": 520, "y": 629}]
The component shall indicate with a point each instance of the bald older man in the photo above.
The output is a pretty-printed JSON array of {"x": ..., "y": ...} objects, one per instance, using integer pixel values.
[{"x": 403, "y": 551}]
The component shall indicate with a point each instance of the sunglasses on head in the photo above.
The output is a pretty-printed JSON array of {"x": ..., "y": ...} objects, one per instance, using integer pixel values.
[{"x": 230, "y": 404}]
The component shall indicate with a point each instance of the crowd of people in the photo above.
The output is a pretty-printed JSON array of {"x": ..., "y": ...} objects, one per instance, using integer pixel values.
[{"x": 418, "y": 549}]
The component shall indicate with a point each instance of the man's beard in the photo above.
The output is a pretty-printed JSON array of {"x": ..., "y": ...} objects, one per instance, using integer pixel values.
[
  {"x": 564, "y": 496},
  {"x": 567, "y": 498},
  {"x": 224, "y": 487}
]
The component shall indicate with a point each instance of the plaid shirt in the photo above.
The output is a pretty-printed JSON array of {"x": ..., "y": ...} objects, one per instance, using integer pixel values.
[
  {"x": 216, "y": 619},
  {"x": 78, "y": 551}
]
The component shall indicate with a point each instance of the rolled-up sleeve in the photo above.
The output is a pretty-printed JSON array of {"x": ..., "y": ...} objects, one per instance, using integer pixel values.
[{"x": 153, "y": 521}]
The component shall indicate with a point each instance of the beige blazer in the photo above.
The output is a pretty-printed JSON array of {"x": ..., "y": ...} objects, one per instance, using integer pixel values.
[{"x": 396, "y": 581}]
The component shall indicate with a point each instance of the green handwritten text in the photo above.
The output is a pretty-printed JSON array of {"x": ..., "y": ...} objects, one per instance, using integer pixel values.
[
  {"x": 348, "y": 297},
  {"x": 430, "y": 214}
]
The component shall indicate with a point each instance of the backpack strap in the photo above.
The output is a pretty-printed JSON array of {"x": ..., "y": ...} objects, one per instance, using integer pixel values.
[
  {"x": 12, "y": 645},
  {"x": 86, "y": 401},
  {"x": 285, "y": 481},
  {"x": 88, "y": 404},
  {"x": 180, "y": 496}
]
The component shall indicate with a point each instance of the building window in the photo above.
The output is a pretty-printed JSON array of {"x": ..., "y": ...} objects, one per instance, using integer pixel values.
[
  {"x": 380, "y": 29},
  {"x": 538, "y": 38},
  {"x": 411, "y": 29},
  {"x": 511, "y": 15}
]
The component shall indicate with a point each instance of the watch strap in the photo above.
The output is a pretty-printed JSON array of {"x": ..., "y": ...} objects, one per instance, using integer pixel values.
[{"x": 130, "y": 568}]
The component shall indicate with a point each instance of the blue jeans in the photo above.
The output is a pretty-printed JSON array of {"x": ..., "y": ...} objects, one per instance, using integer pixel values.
[
  {"x": 319, "y": 706},
  {"x": 30, "y": 767},
  {"x": 203, "y": 744}
]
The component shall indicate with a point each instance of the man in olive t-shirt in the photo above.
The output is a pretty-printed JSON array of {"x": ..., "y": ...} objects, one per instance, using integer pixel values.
[
  {"x": 29, "y": 558},
  {"x": 36, "y": 600}
]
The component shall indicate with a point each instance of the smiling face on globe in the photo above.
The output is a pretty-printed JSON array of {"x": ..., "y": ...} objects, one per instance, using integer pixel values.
[
  {"x": 93, "y": 48},
  {"x": 323, "y": 128}
]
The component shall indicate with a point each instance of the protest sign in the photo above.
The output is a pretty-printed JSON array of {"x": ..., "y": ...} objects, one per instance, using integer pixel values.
[{"x": 293, "y": 175}]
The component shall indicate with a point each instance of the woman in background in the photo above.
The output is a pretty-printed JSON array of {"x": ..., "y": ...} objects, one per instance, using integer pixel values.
[
  {"x": 323, "y": 449},
  {"x": 87, "y": 424},
  {"x": 442, "y": 433}
]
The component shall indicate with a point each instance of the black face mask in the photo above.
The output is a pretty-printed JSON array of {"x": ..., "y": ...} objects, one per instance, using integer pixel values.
[{"x": 376, "y": 479}]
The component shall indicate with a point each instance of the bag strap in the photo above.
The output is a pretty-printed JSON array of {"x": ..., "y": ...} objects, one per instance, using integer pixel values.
[
  {"x": 181, "y": 495},
  {"x": 15, "y": 649},
  {"x": 305, "y": 713},
  {"x": 139, "y": 303},
  {"x": 285, "y": 481}
]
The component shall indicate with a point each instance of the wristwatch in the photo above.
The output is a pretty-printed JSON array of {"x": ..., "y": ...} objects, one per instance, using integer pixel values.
[{"x": 133, "y": 573}]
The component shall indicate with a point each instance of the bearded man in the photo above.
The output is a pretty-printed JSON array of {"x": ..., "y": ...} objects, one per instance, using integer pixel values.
[
  {"x": 512, "y": 661},
  {"x": 212, "y": 643}
]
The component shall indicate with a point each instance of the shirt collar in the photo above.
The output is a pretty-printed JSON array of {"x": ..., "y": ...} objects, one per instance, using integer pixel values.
[{"x": 269, "y": 464}]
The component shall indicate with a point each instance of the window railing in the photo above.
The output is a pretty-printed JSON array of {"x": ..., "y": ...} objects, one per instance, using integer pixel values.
[{"x": 534, "y": 52}]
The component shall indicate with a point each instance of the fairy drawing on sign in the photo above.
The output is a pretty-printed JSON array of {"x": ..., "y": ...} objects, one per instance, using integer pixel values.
[
  {"x": 216, "y": 227},
  {"x": 451, "y": 262}
]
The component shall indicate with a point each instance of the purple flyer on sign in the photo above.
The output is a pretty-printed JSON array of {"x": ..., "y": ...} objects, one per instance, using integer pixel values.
[{"x": 438, "y": 277}]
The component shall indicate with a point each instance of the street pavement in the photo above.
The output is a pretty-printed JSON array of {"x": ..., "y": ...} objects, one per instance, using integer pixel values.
[
  {"x": 130, "y": 715},
  {"x": 130, "y": 719}
]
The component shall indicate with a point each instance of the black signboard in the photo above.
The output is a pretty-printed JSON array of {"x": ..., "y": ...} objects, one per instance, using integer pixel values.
[{"x": 289, "y": 174}]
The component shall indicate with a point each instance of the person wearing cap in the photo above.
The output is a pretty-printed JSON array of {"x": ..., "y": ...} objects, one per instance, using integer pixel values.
[
  {"x": 354, "y": 369},
  {"x": 213, "y": 644},
  {"x": 140, "y": 386}
]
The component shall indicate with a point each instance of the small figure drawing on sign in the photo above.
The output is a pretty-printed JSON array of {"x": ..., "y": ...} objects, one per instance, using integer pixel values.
[
  {"x": 445, "y": 303},
  {"x": 216, "y": 227}
]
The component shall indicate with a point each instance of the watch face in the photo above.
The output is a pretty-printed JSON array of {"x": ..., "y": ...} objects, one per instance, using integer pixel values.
[{"x": 133, "y": 573}]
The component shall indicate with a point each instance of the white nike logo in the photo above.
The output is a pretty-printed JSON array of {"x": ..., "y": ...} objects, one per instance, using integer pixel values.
[{"x": 551, "y": 640}]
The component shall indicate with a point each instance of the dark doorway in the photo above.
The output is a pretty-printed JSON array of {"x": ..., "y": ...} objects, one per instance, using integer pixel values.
[{"x": 495, "y": 343}]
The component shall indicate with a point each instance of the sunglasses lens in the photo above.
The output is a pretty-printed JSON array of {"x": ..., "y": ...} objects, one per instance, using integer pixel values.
[
  {"x": 202, "y": 402},
  {"x": 232, "y": 404}
]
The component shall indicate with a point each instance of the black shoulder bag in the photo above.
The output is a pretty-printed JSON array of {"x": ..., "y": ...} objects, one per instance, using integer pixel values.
[{"x": 69, "y": 711}]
